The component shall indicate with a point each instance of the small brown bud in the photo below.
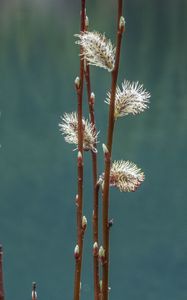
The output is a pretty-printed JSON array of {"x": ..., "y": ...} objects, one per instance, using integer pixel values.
[
  {"x": 101, "y": 252},
  {"x": 77, "y": 200},
  {"x": 84, "y": 222},
  {"x": 77, "y": 82},
  {"x": 95, "y": 249},
  {"x": 106, "y": 152},
  {"x": 122, "y": 23},
  {"x": 76, "y": 252},
  {"x": 80, "y": 160},
  {"x": 105, "y": 149},
  {"x": 92, "y": 98}
]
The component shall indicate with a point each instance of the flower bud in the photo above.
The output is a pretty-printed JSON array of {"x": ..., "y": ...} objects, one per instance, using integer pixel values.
[
  {"x": 101, "y": 252},
  {"x": 77, "y": 82},
  {"x": 77, "y": 200},
  {"x": 122, "y": 23},
  {"x": 86, "y": 22},
  {"x": 76, "y": 252},
  {"x": 79, "y": 157},
  {"x": 95, "y": 249},
  {"x": 84, "y": 222},
  {"x": 106, "y": 152},
  {"x": 105, "y": 149},
  {"x": 92, "y": 98}
]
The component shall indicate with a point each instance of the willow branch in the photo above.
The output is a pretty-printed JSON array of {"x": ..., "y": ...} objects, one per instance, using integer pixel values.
[
  {"x": 108, "y": 153},
  {"x": 80, "y": 231},
  {"x": 91, "y": 100},
  {"x": 1, "y": 274}
]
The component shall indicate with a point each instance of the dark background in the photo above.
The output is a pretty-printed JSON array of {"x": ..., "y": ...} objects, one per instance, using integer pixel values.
[{"x": 38, "y": 65}]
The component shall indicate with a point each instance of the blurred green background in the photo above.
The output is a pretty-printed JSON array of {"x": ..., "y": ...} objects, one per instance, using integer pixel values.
[{"x": 38, "y": 64}]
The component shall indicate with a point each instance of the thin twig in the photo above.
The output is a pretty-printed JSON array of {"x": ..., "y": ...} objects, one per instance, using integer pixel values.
[
  {"x": 80, "y": 231},
  {"x": 2, "y": 297},
  {"x": 91, "y": 102},
  {"x": 111, "y": 122}
]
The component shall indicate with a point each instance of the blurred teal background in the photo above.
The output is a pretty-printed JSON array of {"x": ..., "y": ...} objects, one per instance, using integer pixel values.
[{"x": 38, "y": 64}]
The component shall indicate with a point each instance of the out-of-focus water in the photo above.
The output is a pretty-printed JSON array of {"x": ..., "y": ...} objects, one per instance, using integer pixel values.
[{"x": 38, "y": 64}]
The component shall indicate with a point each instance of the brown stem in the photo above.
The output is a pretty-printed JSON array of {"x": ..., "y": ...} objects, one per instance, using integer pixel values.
[
  {"x": 111, "y": 122},
  {"x": 80, "y": 233},
  {"x": 95, "y": 185},
  {"x": 34, "y": 294},
  {"x": 2, "y": 297}
]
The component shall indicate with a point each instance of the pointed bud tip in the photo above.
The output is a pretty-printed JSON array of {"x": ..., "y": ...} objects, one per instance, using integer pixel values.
[
  {"x": 122, "y": 23},
  {"x": 76, "y": 252},
  {"x": 101, "y": 252},
  {"x": 86, "y": 22},
  {"x": 105, "y": 149},
  {"x": 92, "y": 95},
  {"x": 95, "y": 246},
  {"x": 77, "y": 82},
  {"x": 79, "y": 155},
  {"x": 84, "y": 222}
]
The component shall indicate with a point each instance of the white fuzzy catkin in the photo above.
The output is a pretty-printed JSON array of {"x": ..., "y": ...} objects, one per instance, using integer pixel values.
[
  {"x": 97, "y": 49},
  {"x": 69, "y": 128},
  {"x": 125, "y": 175},
  {"x": 131, "y": 99}
]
